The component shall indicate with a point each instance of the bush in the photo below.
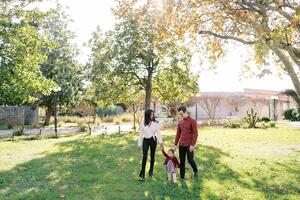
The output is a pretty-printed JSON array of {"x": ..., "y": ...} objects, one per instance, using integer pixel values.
[
  {"x": 10, "y": 126},
  {"x": 265, "y": 119},
  {"x": 295, "y": 115},
  {"x": 262, "y": 125},
  {"x": 272, "y": 124},
  {"x": 288, "y": 114},
  {"x": 233, "y": 124}
]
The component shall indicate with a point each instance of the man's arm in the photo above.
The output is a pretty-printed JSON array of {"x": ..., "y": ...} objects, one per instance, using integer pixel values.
[{"x": 195, "y": 132}]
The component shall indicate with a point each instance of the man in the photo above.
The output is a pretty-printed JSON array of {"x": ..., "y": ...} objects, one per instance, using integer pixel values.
[{"x": 186, "y": 136}]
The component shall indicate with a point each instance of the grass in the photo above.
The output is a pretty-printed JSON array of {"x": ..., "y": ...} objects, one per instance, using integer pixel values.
[{"x": 234, "y": 164}]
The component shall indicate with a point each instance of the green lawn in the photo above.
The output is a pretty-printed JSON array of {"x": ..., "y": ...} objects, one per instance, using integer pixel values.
[{"x": 234, "y": 164}]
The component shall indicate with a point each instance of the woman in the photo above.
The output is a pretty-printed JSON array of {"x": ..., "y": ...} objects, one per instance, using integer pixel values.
[{"x": 149, "y": 135}]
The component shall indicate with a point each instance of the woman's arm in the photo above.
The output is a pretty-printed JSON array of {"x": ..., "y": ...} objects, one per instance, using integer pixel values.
[
  {"x": 140, "y": 140},
  {"x": 159, "y": 137}
]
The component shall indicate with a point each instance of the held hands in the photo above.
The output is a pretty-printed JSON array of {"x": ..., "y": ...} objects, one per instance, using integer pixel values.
[
  {"x": 161, "y": 146},
  {"x": 192, "y": 148}
]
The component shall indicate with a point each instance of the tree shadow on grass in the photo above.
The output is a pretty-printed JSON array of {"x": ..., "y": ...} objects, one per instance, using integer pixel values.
[{"x": 106, "y": 167}]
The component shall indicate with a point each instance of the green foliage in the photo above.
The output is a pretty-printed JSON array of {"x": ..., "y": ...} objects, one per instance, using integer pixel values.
[
  {"x": 272, "y": 124},
  {"x": 61, "y": 66},
  {"x": 21, "y": 80},
  {"x": 288, "y": 114},
  {"x": 251, "y": 118},
  {"x": 296, "y": 115},
  {"x": 147, "y": 58},
  {"x": 232, "y": 124},
  {"x": 265, "y": 119}
]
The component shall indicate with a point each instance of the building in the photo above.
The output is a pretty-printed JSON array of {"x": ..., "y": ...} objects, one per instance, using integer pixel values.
[{"x": 224, "y": 105}]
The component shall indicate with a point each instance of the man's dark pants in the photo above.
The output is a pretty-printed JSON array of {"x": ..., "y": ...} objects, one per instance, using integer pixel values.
[{"x": 183, "y": 152}]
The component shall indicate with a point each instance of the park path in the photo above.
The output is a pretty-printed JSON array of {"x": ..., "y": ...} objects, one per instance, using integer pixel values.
[
  {"x": 291, "y": 124},
  {"x": 96, "y": 130}
]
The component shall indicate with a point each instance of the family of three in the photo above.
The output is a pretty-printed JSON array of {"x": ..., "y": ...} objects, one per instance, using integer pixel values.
[{"x": 186, "y": 138}]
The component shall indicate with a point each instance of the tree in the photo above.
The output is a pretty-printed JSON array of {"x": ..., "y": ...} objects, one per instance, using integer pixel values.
[
  {"x": 209, "y": 104},
  {"x": 259, "y": 103},
  {"x": 236, "y": 102},
  {"x": 61, "y": 66},
  {"x": 21, "y": 80},
  {"x": 143, "y": 47},
  {"x": 270, "y": 28},
  {"x": 174, "y": 87}
]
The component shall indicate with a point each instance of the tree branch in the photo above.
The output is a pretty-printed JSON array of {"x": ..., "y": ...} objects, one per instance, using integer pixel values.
[{"x": 226, "y": 37}]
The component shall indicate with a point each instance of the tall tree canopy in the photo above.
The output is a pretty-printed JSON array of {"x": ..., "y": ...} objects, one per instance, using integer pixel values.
[
  {"x": 21, "y": 80},
  {"x": 61, "y": 66},
  {"x": 270, "y": 28},
  {"x": 139, "y": 49}
]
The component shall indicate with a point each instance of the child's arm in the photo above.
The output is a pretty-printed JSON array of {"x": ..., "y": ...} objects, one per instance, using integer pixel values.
[{"x": 163, "y": 151}]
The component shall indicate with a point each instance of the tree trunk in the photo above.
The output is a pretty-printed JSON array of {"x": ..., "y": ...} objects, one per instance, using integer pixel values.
[
  {"x": 48, "y": 115},
  {"x": 288, "y": 67},
  {"x": 134, "y": 117},
  {"x": 148, "y": 89},
  {"x": 94, "y": 115}
]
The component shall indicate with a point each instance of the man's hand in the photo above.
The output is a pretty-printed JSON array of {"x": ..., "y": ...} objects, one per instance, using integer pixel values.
[
  {"x": 139, "y": 148},
  {"x": 192, "y": 148}
]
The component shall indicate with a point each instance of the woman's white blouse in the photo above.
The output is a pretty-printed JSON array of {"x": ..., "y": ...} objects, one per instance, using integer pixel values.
[{"x": 148, "y": 132}]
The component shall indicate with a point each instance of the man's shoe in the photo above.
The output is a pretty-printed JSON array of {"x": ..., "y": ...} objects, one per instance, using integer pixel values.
[
  {"x": 182, "y": 179},
  {"x": 142, "y": 179},
  {"x": 196, "y": 175}
]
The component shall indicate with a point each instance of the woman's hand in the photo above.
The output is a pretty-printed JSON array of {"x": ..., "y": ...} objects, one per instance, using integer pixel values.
[{"x": 161, "y": 146}]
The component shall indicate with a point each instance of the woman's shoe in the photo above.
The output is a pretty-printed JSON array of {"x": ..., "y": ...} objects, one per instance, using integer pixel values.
[{"x": 150, "y": 174}]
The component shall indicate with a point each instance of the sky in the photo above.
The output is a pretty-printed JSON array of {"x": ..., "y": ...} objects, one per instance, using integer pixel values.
[{"x": 89, "y": 14}]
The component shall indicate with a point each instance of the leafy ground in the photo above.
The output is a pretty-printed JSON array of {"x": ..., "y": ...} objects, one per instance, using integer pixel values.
[{"x": 234, "y": 164}]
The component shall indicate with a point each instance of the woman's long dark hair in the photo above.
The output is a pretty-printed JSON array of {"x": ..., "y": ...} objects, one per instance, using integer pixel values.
[{"x": 147, "y": 118}]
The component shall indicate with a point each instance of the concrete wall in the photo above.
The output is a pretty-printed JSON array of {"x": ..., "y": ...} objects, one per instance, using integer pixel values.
[{"x": 18, "y": 115}]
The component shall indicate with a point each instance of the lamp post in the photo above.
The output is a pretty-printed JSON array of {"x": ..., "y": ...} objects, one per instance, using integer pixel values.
[
  {"x": 274, "y": 98},
  {"x": 55, "y": 91}
]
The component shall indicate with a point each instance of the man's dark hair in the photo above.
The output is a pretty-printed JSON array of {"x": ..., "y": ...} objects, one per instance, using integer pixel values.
[{"x": 182, "y": 108}]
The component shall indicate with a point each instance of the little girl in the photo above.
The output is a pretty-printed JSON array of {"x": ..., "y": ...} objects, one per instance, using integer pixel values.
[{"x": 171, "y": 163}]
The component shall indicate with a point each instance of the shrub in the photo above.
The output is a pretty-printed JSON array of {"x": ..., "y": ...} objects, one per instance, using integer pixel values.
[
  {"x": 233, "y": 124},
  {"x": 295, "y": 115},
  {"x": 262, "y": 125},
  {"x": 10, "y": 126},
  {"x": 251, "y": 118},
  {"x": 265, "y": 119},
  {"x": 288, "y": 114},
  {"x": 272, "y": 124}
]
